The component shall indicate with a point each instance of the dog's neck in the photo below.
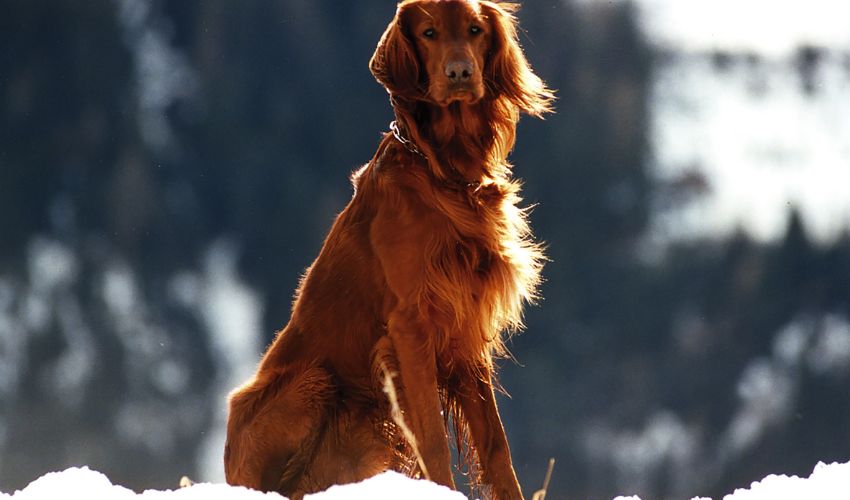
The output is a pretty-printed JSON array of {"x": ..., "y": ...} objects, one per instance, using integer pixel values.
[{"x": 465, "y": 143}]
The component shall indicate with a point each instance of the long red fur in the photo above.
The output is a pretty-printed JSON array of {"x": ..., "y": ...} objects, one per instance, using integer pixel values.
[{"x": 424, "y": 272}]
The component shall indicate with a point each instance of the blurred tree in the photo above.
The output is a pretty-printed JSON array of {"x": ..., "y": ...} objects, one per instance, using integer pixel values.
[
  {"x": 65, "y": 115},
  {"x": 80, "y": 212}
]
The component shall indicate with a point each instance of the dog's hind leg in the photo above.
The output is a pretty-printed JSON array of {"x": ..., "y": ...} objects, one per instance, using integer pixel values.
[{"x": 275, "y": 422}]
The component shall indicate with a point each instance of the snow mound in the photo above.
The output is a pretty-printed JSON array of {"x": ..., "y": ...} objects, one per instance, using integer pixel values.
[
  {"x": 92, "y": 485},
  {"x": 827, "y": 482},
  {"x": 389, "y": 486}
]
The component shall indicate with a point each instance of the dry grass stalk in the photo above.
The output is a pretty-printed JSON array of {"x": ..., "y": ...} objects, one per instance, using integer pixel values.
[
  {"x": 541, "y": 493},
  {"x": 398, "y": 418}
]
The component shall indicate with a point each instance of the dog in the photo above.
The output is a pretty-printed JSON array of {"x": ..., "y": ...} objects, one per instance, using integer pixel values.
[{"x": 422, "y": 275}]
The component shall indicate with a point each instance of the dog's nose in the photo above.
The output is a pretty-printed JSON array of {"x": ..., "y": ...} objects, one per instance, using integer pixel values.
[{"x": 458, "y": 71}]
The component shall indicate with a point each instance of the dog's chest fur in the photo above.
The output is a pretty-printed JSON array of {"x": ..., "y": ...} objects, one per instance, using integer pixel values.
[
  {"x": 476, "y": 261},
  {"x": 482, "y": 270}
]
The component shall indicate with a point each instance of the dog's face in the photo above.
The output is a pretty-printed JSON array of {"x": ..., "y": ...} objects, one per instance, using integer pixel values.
[
  {"x": 452, "y": 40},
  {"x": 445, "y": 51}
]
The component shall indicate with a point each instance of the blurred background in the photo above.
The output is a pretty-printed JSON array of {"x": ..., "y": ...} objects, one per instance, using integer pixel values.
[{"x": 168, "y": 169}]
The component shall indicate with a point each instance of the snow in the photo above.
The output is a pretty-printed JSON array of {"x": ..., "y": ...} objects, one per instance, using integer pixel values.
[
  {"x": 389, "y": 485},
  {"x": 764, "y": 26},
  {"x": 763, "y": 144},
  {"x": 91, "y": 485},
  {"x": 825, "y": 483}
]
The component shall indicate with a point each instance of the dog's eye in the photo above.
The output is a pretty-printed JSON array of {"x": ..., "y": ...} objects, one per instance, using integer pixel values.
[
  {"x": 429, "y": 33},
  {"x": 475, "y": 30}
]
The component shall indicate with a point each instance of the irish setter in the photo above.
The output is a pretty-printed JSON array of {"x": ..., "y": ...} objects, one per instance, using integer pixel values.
[{"x": 421, "y": 275}]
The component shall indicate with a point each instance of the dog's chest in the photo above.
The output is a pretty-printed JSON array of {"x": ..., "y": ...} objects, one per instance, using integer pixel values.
[
  {"x": 477, "y": 278},
  {"x": 476, "y": 236}
]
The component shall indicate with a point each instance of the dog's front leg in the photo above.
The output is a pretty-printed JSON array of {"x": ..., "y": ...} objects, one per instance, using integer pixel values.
[
  {"x": 478, "y": 403},
  {"x": 402, "y": 237},
  {"x": 418, "y": 370}
]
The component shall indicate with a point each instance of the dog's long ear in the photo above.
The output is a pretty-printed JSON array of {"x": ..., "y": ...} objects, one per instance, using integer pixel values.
[
  {"x": 394, "y": 62},
  {"x": 507, "y": 69}
]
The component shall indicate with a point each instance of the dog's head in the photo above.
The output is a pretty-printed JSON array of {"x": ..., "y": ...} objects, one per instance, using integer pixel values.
[{"x": 445, "y": 51}]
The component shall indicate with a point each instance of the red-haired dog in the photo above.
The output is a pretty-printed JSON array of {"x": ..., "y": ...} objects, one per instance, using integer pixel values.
[{"x": 422, "y": 273}]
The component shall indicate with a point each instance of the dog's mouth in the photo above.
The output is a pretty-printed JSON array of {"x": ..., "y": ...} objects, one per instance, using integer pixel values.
[{"x": 466, "y": 93}]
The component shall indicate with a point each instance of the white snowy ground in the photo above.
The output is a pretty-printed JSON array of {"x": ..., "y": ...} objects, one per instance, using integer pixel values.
[{"x": 827, "y": 482}]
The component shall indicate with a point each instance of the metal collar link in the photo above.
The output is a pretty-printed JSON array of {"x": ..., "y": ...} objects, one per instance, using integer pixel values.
[
  {"x": 470, "y": 187},
  {"x": 407, "y": 143}
]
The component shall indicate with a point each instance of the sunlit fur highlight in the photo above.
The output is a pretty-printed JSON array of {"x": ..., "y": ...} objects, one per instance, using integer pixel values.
[{"x": 424, "y": 272}]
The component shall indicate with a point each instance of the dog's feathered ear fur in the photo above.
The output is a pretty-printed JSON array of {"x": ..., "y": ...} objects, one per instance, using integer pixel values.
[
  {"x": 394, "y": 63},
  {"x": 507, "y": 69}
]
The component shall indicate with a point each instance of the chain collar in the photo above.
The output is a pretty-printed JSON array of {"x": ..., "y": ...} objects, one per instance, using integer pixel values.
[
  {"x": 407, "y": 143},
  {"x": 470, "y": 188}
]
